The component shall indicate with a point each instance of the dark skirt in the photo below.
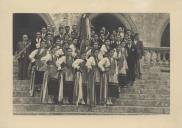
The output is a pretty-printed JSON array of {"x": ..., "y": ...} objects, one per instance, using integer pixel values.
[
  {"x": 122, "y": 80},
  {"x": 39, "y": 75},
  {"x": 113, "y": 90},
  {"x": 85, "y": 92},
  {"x": 97, "y": 91},
  {"x": 68, "y": 88},
  {"x": 53, "y": 88}
]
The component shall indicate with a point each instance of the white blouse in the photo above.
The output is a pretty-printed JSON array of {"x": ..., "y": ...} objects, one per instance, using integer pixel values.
[{"x": 104, "y": 63}]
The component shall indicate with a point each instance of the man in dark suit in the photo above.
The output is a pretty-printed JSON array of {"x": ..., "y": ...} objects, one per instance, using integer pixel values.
[
  {"x": 112, "y": 42},
  {"x": 67, "y": 33},
  {"x": 74, "y": 32},
  {"x": 131, "y": 61},
  {"x": 23, "y": 60},
  {"x": 101, "y": 39},
  {"x": 60, "y": 35},
  {"x": 36, "y": 42},
  {"x": 43, "y": 33},
  {"x": 140, "y": 53}
]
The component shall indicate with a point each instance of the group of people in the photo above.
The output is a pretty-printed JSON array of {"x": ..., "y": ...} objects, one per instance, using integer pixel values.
[{"x": 69, "y": 70}]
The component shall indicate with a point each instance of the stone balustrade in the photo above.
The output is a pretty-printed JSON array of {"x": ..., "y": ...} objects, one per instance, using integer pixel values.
[{"x": 157, "y": 56}]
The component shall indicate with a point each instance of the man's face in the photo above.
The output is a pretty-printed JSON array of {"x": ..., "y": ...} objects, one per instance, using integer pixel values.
[
  {"x": 83, "y": 56},
  {"x": 114, "y": 32},
  {"x": 112, "y": 37},
  {"x": 25, "y": 37},
  {"x": 129, "y": 41},
  {"x": 128, "y": 32},
  {"x": 123, "y": 44},
  {"x": 58, "y": 42},
  {"x": 95, "y": 45},
  {"x": 61, "y": 30},
  {"x": 137, "y": 37},
  {"x": 66, "y": 37},
  {"x": 92, "y": 33},
  {"x": 49, "y": 37},
  {"x": 96, "y": 37},
  {"x": 44, "y": 30},
  {"x": 66, "y": 45},
  {"x": 102, "y": 36},
  {"x": 118, "y": 38},
  {"x": 107, "y": 42},
  {"x": 67, "y": 29},
  {"x": 103, "y": 29},
  {"x": 119, "y": 29},
  {"x": 111, "y": 53},
  {"x": 74, "y": 28},
  {"x": 38, "y": 35},
  {"x": 75, "y": 41},
  {"x": 119, "y": 48},
  {"x": 96, "y": 53}
]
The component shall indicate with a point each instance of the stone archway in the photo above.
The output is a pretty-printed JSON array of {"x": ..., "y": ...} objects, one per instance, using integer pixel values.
[
  {"x": 124, "y": 19},
  {"x": 47, "y": 18},
  {"x": 165, "y": 34}
]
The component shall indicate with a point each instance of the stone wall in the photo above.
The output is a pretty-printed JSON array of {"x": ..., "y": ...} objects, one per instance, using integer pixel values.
[{"x": 149, "y": 25}]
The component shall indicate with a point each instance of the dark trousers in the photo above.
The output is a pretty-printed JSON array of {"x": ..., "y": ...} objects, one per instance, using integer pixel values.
[
  {"x": 131, "y": 73},
  {"x": 23, "y": 64},
  {"x": 137, "y": 68},
  {"x": 122, "y": 80}
]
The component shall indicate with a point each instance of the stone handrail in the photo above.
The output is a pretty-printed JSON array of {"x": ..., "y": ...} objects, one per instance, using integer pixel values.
[{"x": 157, "y": 56}]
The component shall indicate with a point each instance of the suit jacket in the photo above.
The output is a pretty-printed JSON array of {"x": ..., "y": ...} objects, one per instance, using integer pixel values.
[
  {"x": 140, "y": 49},
  {"x": 61, "y": 37},
  {"x": 132, "y": 55},
  {"x": 33, "y": 44},
  {"x": 113, "y": 44},
  {"x": 101, "y": 42}
]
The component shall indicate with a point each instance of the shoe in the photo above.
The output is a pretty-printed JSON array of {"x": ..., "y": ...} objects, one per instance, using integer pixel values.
[
  {"x": 107, "y": 102},
  {"x": 82, "y": 102},
  {"x": 119, "y": 89}
]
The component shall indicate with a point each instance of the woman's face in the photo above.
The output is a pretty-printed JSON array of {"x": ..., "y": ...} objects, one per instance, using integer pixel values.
[{"x": 96, "y": 53}]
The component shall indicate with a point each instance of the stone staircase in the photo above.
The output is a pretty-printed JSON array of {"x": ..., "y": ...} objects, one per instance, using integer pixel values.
[{"x": 151, "y": 95}]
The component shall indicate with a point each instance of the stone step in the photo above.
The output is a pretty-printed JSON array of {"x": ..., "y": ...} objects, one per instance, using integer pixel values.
[
  {"x": 144, "y": 96},
  {"x": 145, "y": 91},
  {"x": 137, "y": 86},
  {"x": 123, "y": 91},
  {"x": 148, "y": 103},
  {"x": 119, "y": 102},
  {"x": 24, "y": 94},
  {"x": 122, "y": 95},
  {"x": 164, "y": 91},
  {"x": 144, "y": 81},
  {"x": 45, "y": 109}
]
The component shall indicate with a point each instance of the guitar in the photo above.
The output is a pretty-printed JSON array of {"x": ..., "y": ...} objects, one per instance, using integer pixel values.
[{"x": 17, "y": 56}]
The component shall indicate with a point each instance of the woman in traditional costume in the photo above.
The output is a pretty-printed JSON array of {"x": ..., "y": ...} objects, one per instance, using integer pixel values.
[
  {"x": 104, "y": 65},
  {"x": 122, "y": 65},
  {"x": 64, "y": 64},
  {"x": 38, "y": 59},
  {"x": 80, "y": 79},
  {"x": 113, "y": 78},
  {"x": 91, "y": 95}
]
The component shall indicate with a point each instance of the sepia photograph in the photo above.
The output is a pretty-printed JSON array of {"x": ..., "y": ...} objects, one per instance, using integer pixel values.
[{"x": 91, "y": 63}]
